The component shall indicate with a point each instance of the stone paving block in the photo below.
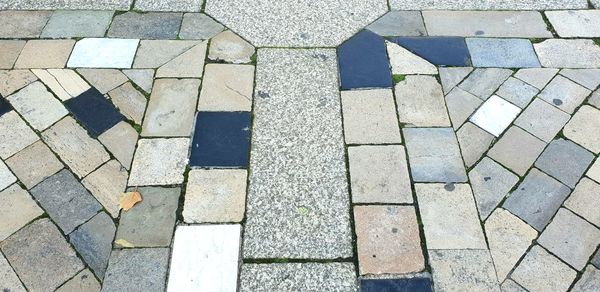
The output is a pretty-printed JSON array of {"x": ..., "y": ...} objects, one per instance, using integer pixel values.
[
  {"x": 585, "y": 201},
  {"x": 563, "y": 53},
  {"x": 10, "y": 281},
  {"x": 103, "y": 53},
  {"x": 155, "y": 53},
  {"x": 13, "y": 80},
  {"x": 45, "y": 54},
  {"x": 491, "y": 183},
  {"x": 41, "y": 256},
  {"x": 399, "y": 23},
  {"x": 370, "y": 117},
  {"x": 68, "y": 4},
  {"x": 589, "y": 78},
  {"x": 517, "y": 92},
  {"x": 452, "y": 76},
  {"x": 145, "y": 25},
  {"x": 75, "y": 147},
  {"x": 93, "y": 241},
  {"x": 159, "y": 162},
  {"x": 421, "y": 102},
  {"x": 140, "y": 269},
  {"x": 517, "y": 150},
  {"x": 589, "y": 281},
  {"x": 495, "y": 115},
  {"x": 18, "y": 208},
  {"x": 215, "y": 195},
  {"x": 594, "y": 171},
  {"x": 199, "y": 26},
  {"x": 575, "y": 23},
  {"x": 542, "y": 120},
  {"x": 84, "y": 281},
  {"x": 359, "y": 71},
  {"x": 488, "y": 5},
  {"x": 64, "y": 83},
  {"x": 107, "y": 184},
  {"x": 104, "y": 80},
  {"x": 10, "y": 51},
  {"x": 120, "y": 140},
  {"x": 417, "y": 283},
  {"x": 509, "y": 238},
  {"x": 443, "y": 51},
  {"x": 511, "y": 286},
  {"x": 143, "y": 78},
  {"x": 171, "y": 108},
  {"x": 379, "y": 174},
  {"x": 83, "y": 23},
  {"x": 565, "y": 161},
  {"x": 22, "y": 24},
  {"x": 504, "y": 53},
  {"x": 461, "y": 105},
  {"x": 337, "y": 277},
  {"x": 434, "y": 155},
  {"x": 6, "y": 177},
  {"x": 67, "y": 202},
  {"x": 463, "y": 270},
  {"x": 474, "y": 142},
  {"x": 541, "y": 271},
  {"x": 230, "y": 48},
  {"x": 34, "y": 164},
  {"x": 537, "y": 199},
  {"x": 205, "y": 258},
  {"x": 190, "y": 64},
  {"x": 14, "y": 134},
  {"x": 150, "y": 223},
  {"x": 227, "y": 87},
  {"x": 564, "y": 94},
  {"x": 596, "y": 259},
  {"x": 37, "y": 105},
  {"x": 525, "y": 24},
  {"x": 94, "y": 111},
  {"x": 169, "y": 5},
  {"x": 388, "y": 240},
  {"x": 131, "y": 103},
  {"x": 297, "y": 115},
  {"x": 537, "y": 77},
  {"x": 449, "y": 216},
  {"x": 404, "y": 62},
  {"x": 583, "y": 128},
  {"x": 484, "y": 82}
]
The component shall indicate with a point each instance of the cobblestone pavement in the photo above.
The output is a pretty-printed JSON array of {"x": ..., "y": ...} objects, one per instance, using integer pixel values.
[{"x": 299, "y": 146}]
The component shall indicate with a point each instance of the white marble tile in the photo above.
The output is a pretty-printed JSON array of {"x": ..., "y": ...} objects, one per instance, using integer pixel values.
[
  {"x": 205, "y": 258},
  {"x": 495, "y": 115},
  {"x": 103, "y": 53}
]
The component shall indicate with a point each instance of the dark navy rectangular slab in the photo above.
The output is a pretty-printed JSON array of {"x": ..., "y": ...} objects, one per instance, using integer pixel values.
[
  {"x": 396, "y": 285},
  {"x": 4, "y": 106},
  {"x": 363, "y": 62},
  {"x": 441, "y": 51},
  {"x": 221, "y": 139},
  {"x": 96, "y": 113}
]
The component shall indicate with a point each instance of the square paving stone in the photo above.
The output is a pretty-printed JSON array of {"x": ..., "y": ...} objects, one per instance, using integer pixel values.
[
  {"x": 150, "y": 222},
  {"x": 145, "y": 25},
  {"x": 542, "y": 120},
  {"x": 449, "y": 216},
  {"x": 399, "y": 23},
  {"x": 96, "y": 113},
  {"x": 199, "y": 26},
  {"x": 363, "y": 62},
  {"x": 221, "y": 139},
  {"x": 461, "y": 105},
  {"x": 8, "y": 279},
  {"x": 10, "y": 51},
  {"x": 388, "y": 240},
  {"x": 589, "y": 281},
  {"x": 107, "y": 185},
  {"x": 83, "y": 23},
  {"x": 131, "y": 102},
  {"x": 564, "y": 94},
  {"x": 421, "y": 102},
  {"x": 537, "y": 77},
  {"x": 536, "y": 199},
  {"x": 575, "y": 23},
  {"x": 45, "y": 54},
  {"x": 585, "y": 200},
  {"x": 17, "y": 208},
  {"x": 571, "y": 238},
  {"x": 22, "y": 24},
  {"x": 463, "y": 270},
  {"x": 41, "y": 256},
  {"x": 227, "y": 87},
  {"x": 159, "y": 162},
  {"x": 370, "y": 117},
  {"x": 474, "y": 142},
  {"x": 565, "y": 161},
  {"x": 205, "y": 258},
  {"x": 93, "y": 241},
  {"x": 483, "y": 82},
  {"x": 503, "y": 53},
  {"x": 491, "y": 183},
  {"x": 415, "y": 284},
  {"x": 14, "y": 134},
  {"x": 442, "y": 51},
  {"x": 120, "y": 140},
  {"x": 37, "y": 105},
  {"x": 583, "y": 128},
  {"x": 541, "y": 271},
  {"x": 34, "y": 164},
  {"x": 379, "y": 174},
  {"x": 84, "y": 281},
  {"x": 139, "y": 269},
  {"x": 434, "y": 155},
  {"x": 568, "y": 53},
  {"x": 169, "y": 5},
  {"x": 215, "y": 195},
  {"x": 517, "y": 92},
  {"x": 495, "y": 115},
  {"x": 298, "y": 276},
  {"x": 103, "y": 53},
  {"x": 67, "y": 202},
  {"x": 517, "y": 150},
  {"x": 6, "y": 177}
]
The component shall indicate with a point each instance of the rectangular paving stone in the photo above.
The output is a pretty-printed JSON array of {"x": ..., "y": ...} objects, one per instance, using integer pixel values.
[
  {"x": 37, "y": 105},
  {"x": 131, "y": 102},
  {"x": 517, "y": 150},
  {"x": 463, "y": 270},
  {"x": 541, "y": 271},
  {"x": 589, "y": 78},
  {"x": 537, "y": 199},
  {"x": 169, "y": 5},
  {"x": 10, "y": 51},
  {"x": 21, "y": 24},
  {"x": 484, "y": 82},
  {"x": 64, "y": 83},
  {"x": 370, "y": 117},
  {"x": 103, "y": 53},
  {"x": 68, "y": 4},
  {"x": 359, "y": 71},
  {"x": 488, "y": 4},
  {"x": 568, "y": 53},
  {"x": 171, "y": 108},
  {"x": 159, "y": 162},
  {"x": 298, "y": 276},
  {"x": 584, "y": 200},
  {"x": 227, "y": 87},
  {"x": 421, "y": 102},
  {"x": 524, "y": 24},
  {"x": 94, "y": 111},
  {"x": 495, "y": 115},
  {"x": 93, "y": 241},
  {"x": 517, "y": 92},
  {"x": 399, "y": 23},
  {"x": 107, "y": 184},
  {"x": 138, "y": 269},
  {"x": 297, "y": 115},
  {"x": 434, "y": 155},
  {"x": 45, "y": 54},
  {"x": 34, "y": 164},
  {"x": 564, "y": 94},
  {"x": 542, "y": 120},
  {"x": 17, "y": 208},
  {"x": 82, "y": 23},
  {"x": 575, "y": 23},
  {"x": 105, "y": 80},
  {"x": 14, "y": 134},
  {"x": 41, "y": 256},
  {"x": 8, "y": 279},
  {"x": 565, "y": 161},
  {"x": 205, "y": 258},
  {"x": 503, "y": 53},
  {"x": 583, "y": 128},
  {"x": 145, "y": 25},
  {"x": 491, "y": 183}
]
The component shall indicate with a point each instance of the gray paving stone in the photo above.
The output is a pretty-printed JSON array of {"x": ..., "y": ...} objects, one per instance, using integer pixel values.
[
  {"x": 34, "y": 164},
  {"x": 434, "y": 155},
  {"x": 131, "y": 103},
  {"x": 159, "y": 162},
  {"x": 370, "y": 117},
  {"x": 517, "y": 92},
  {"x": 104, "y": 80},
  {"x": 107, "y": 184},
  {"x": 139, "y": 269},
  {"x": 297, "y": 115},
  {"x": 536, "y": 199},
  {"x": 504, "y": 53},
  {"x": 564, "y": 94},
  {"x": 169, "y": 5},
  {"x": 563, "y": 53},
  {"x": 542, "y": 120},
  {"x": 538, "y": 77},
  {"x": 491, "y": 183},
  {"x": 399, "y": 23},
  {"x": 17, "y": 209},
  {"x": 525, "y": 24},
  {"x": 6, "y": 177},
  {"x": 337, "y": 277},
  {"x": 68, "y": 4},
  {"x": 584, "y": 202},
  {"x": 590, "y": 78},
  {"x": 463, "y": 270},
  {"x": 421, "y": 102},
  {"x": 583, "y": 128},
  {"x": 171, "y": 108},
  {"x": 541, "y": 271},
  {"x": 565, "y": 161},
  {"x": 21, "y": 24},
  {"x": 511, "y": 286},
  {"x": 150, "y": 223},
  {"x": 452, "y": 76},
  {"x": 93, "y": 241},
  {"x": 68, "y": 24},
  {"x": 589, "y": 281},
  {"x": 575, "y": 23},
  {"x": 488, "y": 4},
  {"x": 199, "y": 26},
  {"x": 229, "y": 47},
  {"x": 484, "y": 82},
  {"x": 84, "y": 281},
  {"x": 10, "y": 52},
  {"x": 517, "y": 150},
  {"x": 461, "y": 105},
  {"x": 145, "y": 26},
  {"x": 143, "y": 78},
  {"x": 13, "y": 80},
  {"x": 120, "y": 140},
  {"x": 41, "y": 256},
  {"x": 37, "y": 105},
  {"x": 474, "y": 142},
  {"x": 596, "y": 259},
  {"x": 9, "y": 281}
]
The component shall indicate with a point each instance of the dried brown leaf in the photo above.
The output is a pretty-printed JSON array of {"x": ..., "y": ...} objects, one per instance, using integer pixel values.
[{"x": 129, "y": 199}]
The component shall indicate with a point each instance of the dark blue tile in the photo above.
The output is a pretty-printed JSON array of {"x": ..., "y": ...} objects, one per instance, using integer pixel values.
[
  {"x": 396, "y": 285},
  {"x": 96, "y": 113},
  {"x": 4, "y": 106},
  {"x": 221, "y": 139},
  {"x": 363, "y": 62},
  {"x": 443, "y": 51}
]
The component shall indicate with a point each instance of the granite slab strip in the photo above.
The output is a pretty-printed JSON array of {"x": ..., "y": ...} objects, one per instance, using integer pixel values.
[
  {"x": 298, "y": 200},
  {"x": 103, "y": 53},
  {"x": 155, "y": 26},
  {"x": 488, "y": 4},
  {"x": 334, "y": 277},
  {"x": 67, "y": 4}
]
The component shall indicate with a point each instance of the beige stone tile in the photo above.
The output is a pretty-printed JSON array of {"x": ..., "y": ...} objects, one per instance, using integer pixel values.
[
  {"x": 10, "y": 51},
  {"x": 370, "y": 117},
  {"x": 159, "y": 162},
  {"x": 120, "y": 140},
  {"x": 64, "y": 83},
  {"x": 541, "y": 271},
  {"x": 104, "y": 80},
  {"x": 13, "y": 80},
  {"x": 421, "y": 102},
  {"x": 584, "y": 128},
  {"x": 107, "y": 184},
  {"x": 189, "y": 64},
  {"x": 463, "y": 270},
  {"x": 14, "y": 134},
  {"x": 585, "y": 200},
  {"x": 130, "y": 102},
  {"x": 227, "y": 87},
  {"x": 517, "y": 150},
  {"x": 229, "y": 47},
  {"x": 45, "y": 54},
  {"x": 34, "y": 164},
  {"x": 17, "y": 208},
  {"x": 38, "y": 106}
]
